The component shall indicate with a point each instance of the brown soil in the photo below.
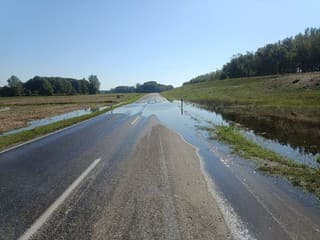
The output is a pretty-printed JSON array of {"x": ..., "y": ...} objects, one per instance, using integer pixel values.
[
  {"x": 16, "y": 112},
  {"x": 296, "y": 81}
]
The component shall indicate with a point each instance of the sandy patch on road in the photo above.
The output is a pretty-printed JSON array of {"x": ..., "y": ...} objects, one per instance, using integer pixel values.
[{"x": 162, "y": 194}]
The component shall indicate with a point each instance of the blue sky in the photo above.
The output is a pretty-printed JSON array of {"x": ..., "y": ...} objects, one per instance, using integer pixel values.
[{"x": 129, "y": 41}]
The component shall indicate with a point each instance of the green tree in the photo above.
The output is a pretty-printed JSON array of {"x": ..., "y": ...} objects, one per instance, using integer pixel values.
[
  {"x": 46, "y": 88},
  {"x": 16, "y": 85},
  {"x": 94, "y": 84},
  {"x": 301, "y": 52},
  {"x": 39, "y": 85},
  {"x": 84, "y": 86}
]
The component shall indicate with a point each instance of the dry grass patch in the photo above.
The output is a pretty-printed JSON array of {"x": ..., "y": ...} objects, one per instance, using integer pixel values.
[
  {"x": 21, "y": 110},
  {"x": 16, "y": 138}
]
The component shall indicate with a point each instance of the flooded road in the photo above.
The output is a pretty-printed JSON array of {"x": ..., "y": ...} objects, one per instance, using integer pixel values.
[{"x": 254, "y": 205}]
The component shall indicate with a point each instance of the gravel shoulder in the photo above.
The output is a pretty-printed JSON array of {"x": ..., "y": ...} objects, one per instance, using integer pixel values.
[{"x": 161, "y": 194}]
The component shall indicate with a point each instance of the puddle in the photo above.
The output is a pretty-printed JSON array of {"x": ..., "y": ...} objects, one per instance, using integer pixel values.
[{"x": 45, "y": 121}]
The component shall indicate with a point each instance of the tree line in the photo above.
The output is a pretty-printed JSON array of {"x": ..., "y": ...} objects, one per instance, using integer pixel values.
[
  {"x": 147, "y": 87},
  {"x": 300, "y": 53},
  {"x": 47, "y": 86}
]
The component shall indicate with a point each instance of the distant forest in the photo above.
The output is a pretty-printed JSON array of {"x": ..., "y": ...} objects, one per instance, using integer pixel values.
[
  {"x": 146, "y": 87},
  {"x": 47, "y": 86},
  {"x": 294, "y": 54}
]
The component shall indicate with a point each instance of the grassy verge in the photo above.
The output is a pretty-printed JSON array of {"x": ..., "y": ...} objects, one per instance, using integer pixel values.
[
  {"x": 277, "y": 96},
  {"x": 268, "y": 161},
  {"x": 275, "y": 90},
  {"x": 13, "y": 139}
]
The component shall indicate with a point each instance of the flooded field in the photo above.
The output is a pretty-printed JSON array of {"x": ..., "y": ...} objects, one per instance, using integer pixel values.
[
  {"x": 31, "y": 111},
  {"x": 299, "y": 141},
  {"x": 45, "y": 121},
  {"x": 303, "y": 136}
]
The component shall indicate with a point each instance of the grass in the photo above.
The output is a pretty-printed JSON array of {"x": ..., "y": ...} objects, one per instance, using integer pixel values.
[
  {"x": 267, "y": 95},
  {"x": 268, "y": 161},
  {"x": 16, "y": 112},
  {"x": 247, "y": 148},
  {"x": 13, "y": 139},
  {"x": 267, "y": 90}
]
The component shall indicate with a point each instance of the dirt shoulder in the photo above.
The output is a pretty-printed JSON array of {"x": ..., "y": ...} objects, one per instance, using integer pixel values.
[{"x": 162, "y": 194}]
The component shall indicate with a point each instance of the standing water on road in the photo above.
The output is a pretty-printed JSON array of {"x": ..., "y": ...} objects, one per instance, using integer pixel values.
[{"x": 253, "y": 204}]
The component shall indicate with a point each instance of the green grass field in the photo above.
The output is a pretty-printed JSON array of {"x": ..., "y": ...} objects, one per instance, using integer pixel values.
[
  {"x": 293, "y": 96},
  {"x": 275, "y": 91}
]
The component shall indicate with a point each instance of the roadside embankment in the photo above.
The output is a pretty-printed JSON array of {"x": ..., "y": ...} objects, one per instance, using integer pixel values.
[{"x": 292, "y": 96}]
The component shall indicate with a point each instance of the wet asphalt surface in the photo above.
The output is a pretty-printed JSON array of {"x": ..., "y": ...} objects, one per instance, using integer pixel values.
[
  {"x": 255, "y": 206},
  {"x": 36, "y": 174}
]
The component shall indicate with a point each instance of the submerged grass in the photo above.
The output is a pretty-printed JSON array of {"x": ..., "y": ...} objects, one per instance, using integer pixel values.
[
  {"x": 13, "y": 139},
  {"x": 268, "y": 161}
]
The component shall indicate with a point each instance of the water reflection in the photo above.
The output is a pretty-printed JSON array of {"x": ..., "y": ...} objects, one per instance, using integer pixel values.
[
  {"x": 181, "y": 106},
  {"x": 301, "y": 136},
  {"x": 296, "y": 140}
]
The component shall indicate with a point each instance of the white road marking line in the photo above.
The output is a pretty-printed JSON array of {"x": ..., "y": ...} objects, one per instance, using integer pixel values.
[
  {"x": 46, "y": 215},
  {"x": 135, "y": 120}
]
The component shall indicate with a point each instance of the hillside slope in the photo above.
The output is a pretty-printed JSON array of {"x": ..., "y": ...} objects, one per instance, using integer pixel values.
[{"x": 291, "y": 96}]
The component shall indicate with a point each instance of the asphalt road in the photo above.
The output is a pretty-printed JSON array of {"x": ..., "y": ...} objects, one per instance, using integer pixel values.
[
  {"x": 117, "y": 176},
  {"x": 33, "y": 176},
  {"x": 130, "y": 174}
]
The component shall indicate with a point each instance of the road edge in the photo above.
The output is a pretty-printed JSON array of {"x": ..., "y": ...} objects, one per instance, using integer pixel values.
[{"x": 236, "y": 227}]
